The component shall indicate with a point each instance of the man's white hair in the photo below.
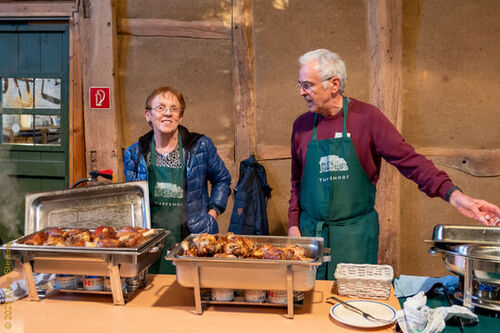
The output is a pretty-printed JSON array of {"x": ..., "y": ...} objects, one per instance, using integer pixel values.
[{"x": 329, "y": 65}]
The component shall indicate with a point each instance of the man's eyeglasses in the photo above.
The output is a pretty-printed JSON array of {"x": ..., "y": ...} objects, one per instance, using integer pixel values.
[
  {"x": 307, "y": 86},
  {"x": 161, "y": 109}
]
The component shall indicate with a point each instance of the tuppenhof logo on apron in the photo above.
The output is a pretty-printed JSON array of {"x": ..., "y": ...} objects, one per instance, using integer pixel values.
[
  {"x": 168, "y": 190},
  {"x": 332, "y": 163}
]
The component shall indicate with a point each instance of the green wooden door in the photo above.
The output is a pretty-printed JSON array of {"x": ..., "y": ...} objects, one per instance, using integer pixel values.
[{"x": 34, "y": 82}]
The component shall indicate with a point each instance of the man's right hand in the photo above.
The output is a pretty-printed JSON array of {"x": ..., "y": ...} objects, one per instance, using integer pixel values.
[{"x": 294, "y": 231}]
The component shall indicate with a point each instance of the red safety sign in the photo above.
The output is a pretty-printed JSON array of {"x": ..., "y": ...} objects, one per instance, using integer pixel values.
[{"x": 99, "y": 98}]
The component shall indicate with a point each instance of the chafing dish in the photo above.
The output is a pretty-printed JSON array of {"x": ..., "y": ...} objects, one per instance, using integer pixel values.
[
  {"x": 473, "y": 253},
  {"x": 260, "y": 274},
  {"x": 457, "y": 234},
  {"x": 117, "y": 205}
]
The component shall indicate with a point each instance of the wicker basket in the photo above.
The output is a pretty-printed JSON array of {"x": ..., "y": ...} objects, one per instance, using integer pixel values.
[{"x": 366, "y": 281}]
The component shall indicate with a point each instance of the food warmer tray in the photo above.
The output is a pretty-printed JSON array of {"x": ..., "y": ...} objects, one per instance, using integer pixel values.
[
  {"x": 117, "y": 205},
  {"x": 260, "y": 274},
  {"x": 472, "y": 252},
  {"x": 458, "y": 234}
]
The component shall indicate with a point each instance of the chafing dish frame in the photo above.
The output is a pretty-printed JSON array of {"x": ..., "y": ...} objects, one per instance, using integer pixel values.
[
  {"x": 116, "y": 205},
  {"x": 474, "y": 267},
  {"x": 208, "y": 272},
  {"x": 112, "y": 262}
]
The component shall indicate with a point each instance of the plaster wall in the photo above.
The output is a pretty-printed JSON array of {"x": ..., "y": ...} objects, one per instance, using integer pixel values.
[
  {"x": 450, "y": 100},
  {"x": 283, "y": 31},
  {"x": 450, "y": 84}
]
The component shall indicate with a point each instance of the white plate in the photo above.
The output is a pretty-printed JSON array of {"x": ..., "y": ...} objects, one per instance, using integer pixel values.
[{"x": 349, "y": 317}]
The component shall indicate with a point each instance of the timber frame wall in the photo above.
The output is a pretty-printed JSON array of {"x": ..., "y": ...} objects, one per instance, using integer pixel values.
[{"x": 95, "y": 136}]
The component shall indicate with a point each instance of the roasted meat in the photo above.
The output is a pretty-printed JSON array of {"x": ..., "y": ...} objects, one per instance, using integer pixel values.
[
  {"x": 54, "y": 240},
  {"x": 235, "y": 246},
  {"x": 104, "y": 232},
  {"x": 55, "y": 232},
  {"x": 77, "y": 237},
  {"x": 103, "y": 236},
  {"x": 37, "y": 238},
  {"x": 110, "y": 242}
]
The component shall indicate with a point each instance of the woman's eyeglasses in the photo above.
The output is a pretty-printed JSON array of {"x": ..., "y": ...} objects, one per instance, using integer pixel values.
[{"x": 161, "y": 109}]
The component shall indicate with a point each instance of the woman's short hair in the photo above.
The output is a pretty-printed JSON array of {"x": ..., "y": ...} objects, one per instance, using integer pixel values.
[
  {"x": 162, "y": 91},
  {"x": 330, "y": 65}
]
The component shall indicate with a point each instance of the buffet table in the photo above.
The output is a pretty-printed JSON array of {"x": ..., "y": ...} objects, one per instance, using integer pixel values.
[{"x": 164, "y": 305}]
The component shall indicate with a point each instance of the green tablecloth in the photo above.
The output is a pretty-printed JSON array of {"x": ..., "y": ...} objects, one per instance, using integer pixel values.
[{"x": 487, "y": 324}]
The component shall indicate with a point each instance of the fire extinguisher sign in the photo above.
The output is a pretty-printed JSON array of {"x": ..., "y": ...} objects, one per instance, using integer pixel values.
[{"x": 99, "y": 98}]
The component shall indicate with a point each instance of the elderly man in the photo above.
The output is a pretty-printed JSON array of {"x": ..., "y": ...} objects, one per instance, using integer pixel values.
[{"x": 337, "y": 148}]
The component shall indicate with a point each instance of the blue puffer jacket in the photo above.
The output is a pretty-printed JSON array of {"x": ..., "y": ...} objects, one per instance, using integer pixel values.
[{"x": 202, "y": 164}]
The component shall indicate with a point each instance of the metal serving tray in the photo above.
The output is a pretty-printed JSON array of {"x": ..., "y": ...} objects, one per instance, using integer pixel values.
[
  {"x": 117, "y": 205},
  {"x": 88, "y": 260},
  {"x": 473, "y": 262},
  {"x": 472, "y": 252},
  {"x": 465, "y": 235},
  {"x": 261, "y": 274},
  {"x": 251, "y": 273}
]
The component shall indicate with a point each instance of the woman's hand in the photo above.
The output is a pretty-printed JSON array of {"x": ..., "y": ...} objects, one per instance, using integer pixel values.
[
  {"x": 479, "y": 210},
  {"x": 213, "y": 213},
  {"x": 294, "y": 231}
]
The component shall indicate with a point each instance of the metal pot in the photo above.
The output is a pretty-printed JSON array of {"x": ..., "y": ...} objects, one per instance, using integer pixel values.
[{"x": 474, "y": 253}]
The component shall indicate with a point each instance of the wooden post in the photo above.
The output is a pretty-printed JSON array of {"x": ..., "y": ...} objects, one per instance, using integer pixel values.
[
  {"x": 385, "y": 38},
  {"x": 244, "y": 122},
  {"x": 77, "y": 168},
  {"x": 102, "y": 127}
]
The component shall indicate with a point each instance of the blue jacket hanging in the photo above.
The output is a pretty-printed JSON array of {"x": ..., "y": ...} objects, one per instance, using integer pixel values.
[{"x": 249, "y": 215}]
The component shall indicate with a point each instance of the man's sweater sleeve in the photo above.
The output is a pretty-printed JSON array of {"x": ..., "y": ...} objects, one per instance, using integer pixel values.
[{"x": 389, "y": 144}]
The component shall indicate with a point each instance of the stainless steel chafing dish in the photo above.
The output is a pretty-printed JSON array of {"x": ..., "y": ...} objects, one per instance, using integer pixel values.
[
  {"x": 472, "y": 252},
  {"x": 260, "y": 274},
  {"x": 117, "y": 205}
]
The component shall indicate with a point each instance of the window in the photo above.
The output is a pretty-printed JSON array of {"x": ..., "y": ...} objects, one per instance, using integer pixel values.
[{"x": 30, "y": 110}]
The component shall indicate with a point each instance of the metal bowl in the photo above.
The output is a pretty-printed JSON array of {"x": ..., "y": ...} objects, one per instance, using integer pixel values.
[
  {"x": 485, "y": 260},
  {"x": 472, "y": 252}
]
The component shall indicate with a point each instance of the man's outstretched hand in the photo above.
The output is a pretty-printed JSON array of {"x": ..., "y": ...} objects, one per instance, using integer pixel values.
[{"x": 479, "y": 210}]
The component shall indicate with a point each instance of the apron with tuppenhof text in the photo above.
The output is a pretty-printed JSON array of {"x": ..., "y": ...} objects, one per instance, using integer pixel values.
[
  {"x": 337, "y": 201},
  {"x": 166, "y": 193}
]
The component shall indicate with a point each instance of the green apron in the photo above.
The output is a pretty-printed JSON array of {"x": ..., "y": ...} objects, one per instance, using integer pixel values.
[
  {"x": 166, "y": 192},
  {"x": 337, "y": 201}
]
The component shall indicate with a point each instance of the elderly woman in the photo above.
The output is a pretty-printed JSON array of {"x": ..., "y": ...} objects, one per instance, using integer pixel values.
[{"x": 177, "y": 164}]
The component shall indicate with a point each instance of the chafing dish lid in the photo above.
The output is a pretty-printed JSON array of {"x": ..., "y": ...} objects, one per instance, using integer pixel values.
[
  {"x": 117, "y": 205},
  {"x": 459, "y": 234}
]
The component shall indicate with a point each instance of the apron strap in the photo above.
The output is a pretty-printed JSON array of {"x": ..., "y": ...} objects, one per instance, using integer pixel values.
[
  {"x": 344, "y": 128},
  {"x": 344, "y": 110},
  {"x": 153, "y": 151},
  {"x": 319, "y": 228},
  {"x": 314, "y": 134}
]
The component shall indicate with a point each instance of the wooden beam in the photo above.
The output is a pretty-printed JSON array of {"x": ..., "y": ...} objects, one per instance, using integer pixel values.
[
  {"x": 385, "y": 40},
  {"x": 38, "y": 9},
  {"x": 77, "y": 168},
  {"x": 99, "y": 55},
  {"x": 475, "y": 162},
  {"x": 173, "y": 28},
  {"x": 244, "y": 122},
  {"x": 270, "y": 152}
]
